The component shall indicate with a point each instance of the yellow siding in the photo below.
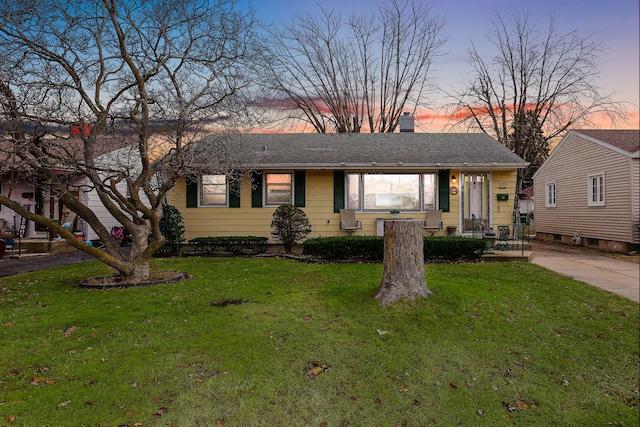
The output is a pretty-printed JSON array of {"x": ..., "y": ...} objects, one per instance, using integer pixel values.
[
  {"x": 502, "y": 211},
  {"x": 246, "y": 220},
  {"x": 635, "y": 197},
  {"x": 570, "y": 165}
]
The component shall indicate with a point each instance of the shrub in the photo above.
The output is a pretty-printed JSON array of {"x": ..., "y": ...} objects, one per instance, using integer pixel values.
[
  {"x": 453, "y": 248},
  {"x": 365, "y": 248},
  {"x": 289, "y": 225},
  {"x": 371, "y": 248},
  {"x": 236, "y": 245},
  {"x": 172, "y": 228}
]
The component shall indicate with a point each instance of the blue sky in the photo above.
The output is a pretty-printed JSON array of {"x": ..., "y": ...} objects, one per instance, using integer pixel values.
[{"x": 615, "y": 22}]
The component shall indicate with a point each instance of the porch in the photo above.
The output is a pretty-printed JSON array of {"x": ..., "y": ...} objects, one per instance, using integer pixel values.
[{"x": 39, "y": 244}]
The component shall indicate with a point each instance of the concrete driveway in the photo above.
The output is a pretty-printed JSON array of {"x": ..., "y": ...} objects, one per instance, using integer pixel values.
[{"x": 614, "y": 275}]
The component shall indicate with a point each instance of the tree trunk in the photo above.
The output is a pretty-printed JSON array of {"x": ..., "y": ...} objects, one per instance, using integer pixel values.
[{"x": 403, "y": 275}]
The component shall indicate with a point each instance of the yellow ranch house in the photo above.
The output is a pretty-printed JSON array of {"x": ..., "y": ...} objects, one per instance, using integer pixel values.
[{"x": 468, "y": 179}]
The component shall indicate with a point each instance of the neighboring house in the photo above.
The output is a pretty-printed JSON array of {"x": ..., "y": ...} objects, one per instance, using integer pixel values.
[
  {"x": 588, "y": 190},
  {"x": 125, "y": 158},
  {"x": 32, "y": 196},
  {"x": 38, "y": 198},
  {"x": 466, "y": 176},
  {"x": 525, "y": 202}
]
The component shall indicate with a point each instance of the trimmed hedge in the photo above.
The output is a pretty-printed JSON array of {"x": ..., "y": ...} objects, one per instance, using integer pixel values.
[
  {"x": 365, "y": 248},
  {"x": 210, "y": 246},
  {"x": 371, "y": 248},
  {"x": 236, "y": 245}
]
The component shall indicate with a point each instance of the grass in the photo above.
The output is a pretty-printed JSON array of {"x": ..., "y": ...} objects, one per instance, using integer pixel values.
[{"x": 272, "y": 342}]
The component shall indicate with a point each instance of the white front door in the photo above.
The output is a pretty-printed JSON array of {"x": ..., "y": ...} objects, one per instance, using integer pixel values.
[{"x": 475, "y": 202}]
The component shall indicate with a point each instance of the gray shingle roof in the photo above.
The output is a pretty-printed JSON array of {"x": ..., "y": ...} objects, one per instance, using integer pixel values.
[
  {"x": 374, "y": 151},
  {"x": 625, "y": 139}
]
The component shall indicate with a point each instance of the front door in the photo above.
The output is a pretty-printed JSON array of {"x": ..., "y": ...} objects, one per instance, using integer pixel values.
[{"x": 475, "y": 202}]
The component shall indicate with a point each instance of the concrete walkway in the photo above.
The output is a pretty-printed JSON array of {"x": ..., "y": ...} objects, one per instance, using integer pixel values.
[
  {"x": 26, "y": 263},
  {"x": 613, "y": 275}
]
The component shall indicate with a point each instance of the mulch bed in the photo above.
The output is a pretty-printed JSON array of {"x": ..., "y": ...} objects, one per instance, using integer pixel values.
[{"x": 116, "y": 282}]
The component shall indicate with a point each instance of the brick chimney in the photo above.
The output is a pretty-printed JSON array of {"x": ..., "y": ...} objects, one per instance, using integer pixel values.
[{"x": 406, "y": 122}]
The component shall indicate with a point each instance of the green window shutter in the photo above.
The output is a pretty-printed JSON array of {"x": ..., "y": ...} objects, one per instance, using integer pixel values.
[
  {"x": 234, "y": 192},
  {"x": 443, "y": 190},
  {"x": 192, "y": 193},
  {"x": 256, "y": 190},
  {"x": 338, "y": 190},
  {"x": 299, "y": 180}
]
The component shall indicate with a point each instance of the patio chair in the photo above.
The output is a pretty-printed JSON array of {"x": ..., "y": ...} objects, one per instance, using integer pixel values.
[
  {"x": 433, "y": 224},
  {"x": 348, "y": 221}
]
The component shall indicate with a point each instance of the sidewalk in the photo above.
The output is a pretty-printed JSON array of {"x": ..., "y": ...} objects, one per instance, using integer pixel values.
[
  {"x": 613, "y": 275},
  {"x": 27, "y": 263}
]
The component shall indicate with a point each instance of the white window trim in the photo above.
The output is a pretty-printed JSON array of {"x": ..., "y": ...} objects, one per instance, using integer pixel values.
[
  {"x": 201, "y": 204},
  {"x": 590, "y": 178},
  {"x": 265, "y": 188},
  {"x": 547, "y": 187},
  {"x": 421, "y": 190}
]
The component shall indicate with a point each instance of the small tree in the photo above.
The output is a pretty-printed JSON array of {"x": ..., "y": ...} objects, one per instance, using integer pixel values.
[
  {"x": 172, "y": 228},
  {"x": 141, "y": 80},
  {"x": 289, "y": 224}
]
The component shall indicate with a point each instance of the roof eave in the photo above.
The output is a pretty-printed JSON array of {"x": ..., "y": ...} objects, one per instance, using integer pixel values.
[{"x": 400, "y": 166}]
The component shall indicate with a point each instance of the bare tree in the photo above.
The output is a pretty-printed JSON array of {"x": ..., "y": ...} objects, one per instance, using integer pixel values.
[
  {"x": 358, "y": 75},
  {"x": 144, "y": 77},
  {"x": 537, "y": 85}
]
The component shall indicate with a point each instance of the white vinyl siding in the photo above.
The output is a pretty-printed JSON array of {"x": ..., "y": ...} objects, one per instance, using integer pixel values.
[{"x": 570, "y": 166}]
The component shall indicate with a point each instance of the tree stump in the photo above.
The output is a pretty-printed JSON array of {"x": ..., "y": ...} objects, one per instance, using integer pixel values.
[{"x": 403, "y": 275}]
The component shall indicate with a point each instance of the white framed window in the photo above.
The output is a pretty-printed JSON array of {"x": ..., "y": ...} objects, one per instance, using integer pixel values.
[
  {"x": 550, "y": 195},
  {"x": 384, "y": 191},
  {"x": 596, "y": 189},
  {"x": 278, "y": 188},
  {"x": 213, "y": 190},
  {"x": 429, "y": 191}
]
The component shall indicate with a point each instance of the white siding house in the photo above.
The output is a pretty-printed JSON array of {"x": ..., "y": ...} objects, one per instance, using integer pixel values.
[
  {"x": 124, "y": 159},
  {"x": 588, "y": 190},
  {"x": 40, "y": 200}
]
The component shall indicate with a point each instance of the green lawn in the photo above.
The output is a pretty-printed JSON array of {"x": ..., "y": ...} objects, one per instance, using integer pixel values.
[{"x": 308, "y": 345}]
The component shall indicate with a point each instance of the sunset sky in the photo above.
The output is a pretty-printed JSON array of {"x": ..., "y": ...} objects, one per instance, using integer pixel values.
[{"x": 614, "y": 22}]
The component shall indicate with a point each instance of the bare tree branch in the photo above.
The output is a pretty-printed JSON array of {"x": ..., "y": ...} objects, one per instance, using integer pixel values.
[
  {"x": 145, "y": 78},
  {"x": 355, "y": 75},
  {"x": 538, "y": 84}
]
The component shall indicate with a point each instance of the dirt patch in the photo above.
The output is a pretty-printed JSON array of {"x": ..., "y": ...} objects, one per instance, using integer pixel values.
[
  {"x": 316, "y": 368},
  {"x": 226, "y": 302},
  {"x": 116, "y": 282}
]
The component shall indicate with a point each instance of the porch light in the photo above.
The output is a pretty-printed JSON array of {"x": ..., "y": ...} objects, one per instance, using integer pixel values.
[{"x": 453, "y": 188}]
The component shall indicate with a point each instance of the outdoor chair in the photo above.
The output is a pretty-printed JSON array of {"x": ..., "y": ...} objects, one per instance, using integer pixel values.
[
  {"x": 433, "y": 224},
  {"x": 348, "y": 221}
]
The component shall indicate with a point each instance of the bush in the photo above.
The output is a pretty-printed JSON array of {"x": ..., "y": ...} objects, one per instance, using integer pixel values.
[
  {"x": 289, "y": 225},
  {"x": 371, "y": 248},
  {"x": 365, "y": 248},
  {"x": 172, "y": 228},
  {"x": 236, "y": 245},
  {"x": 453, "y": 248}
]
